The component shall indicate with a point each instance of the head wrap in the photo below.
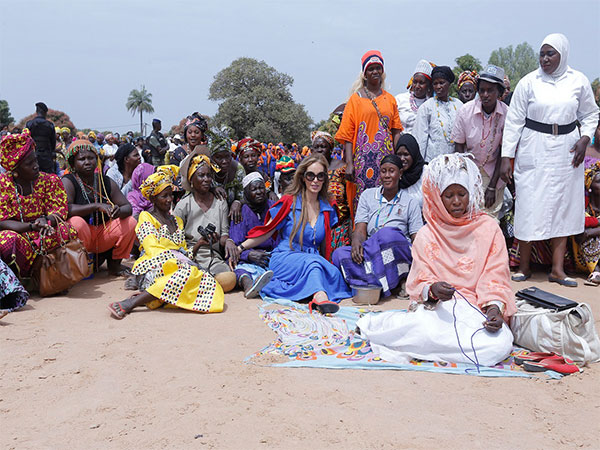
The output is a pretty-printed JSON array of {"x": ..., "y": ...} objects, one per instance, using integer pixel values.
[
  {"x": 285, "y": 164},
  {"x": 591, "y": 173},
  {"x": 65, "y": 130},
  {"x": 371, "y": 57},
  {"x": 457, "y": 168},
  {"x": 163, "y": 178},
  {"x": 76, "y": 147},
  {"x": 251, "y": 178},
  {"x": 91, "y": 134},
  {"x": 135, "y": 197},
  {"x": 560, "y": 43},
  {"x": 219, "y": 144},
  {"x": 100, "y": 137},
  {"x": 468, "y": 76},
  {"x": 195, "y": 120},
  {"x": 248, "y": 144},
  {"x": 323, "y": 135},
  {"x": 444, "y": 72},
  {"x": 109, "y": 136},
  {"x": 392, "y": 159},
  {"x": 413, "y": 173},
  {"x": 197, "y": 161},
  {"x": 15, "y": 147},
  {"x": 57, "y": 130}
]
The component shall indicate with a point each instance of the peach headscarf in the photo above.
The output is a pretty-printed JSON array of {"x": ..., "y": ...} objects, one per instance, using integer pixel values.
[{"x": 468, "y": 252}]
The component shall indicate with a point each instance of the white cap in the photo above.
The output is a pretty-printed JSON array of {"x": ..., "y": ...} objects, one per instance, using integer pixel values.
[{"x": 423, "y": 66}]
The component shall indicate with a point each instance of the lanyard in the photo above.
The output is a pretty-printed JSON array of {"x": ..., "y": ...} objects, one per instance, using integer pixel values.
[{"x": 381, "y": 207}]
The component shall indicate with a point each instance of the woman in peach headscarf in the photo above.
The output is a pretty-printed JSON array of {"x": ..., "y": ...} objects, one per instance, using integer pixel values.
[{"x": 458, "y": 282}]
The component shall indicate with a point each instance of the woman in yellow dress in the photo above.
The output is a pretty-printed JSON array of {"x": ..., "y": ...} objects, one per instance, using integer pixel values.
[{"x": 168, "y": 274}]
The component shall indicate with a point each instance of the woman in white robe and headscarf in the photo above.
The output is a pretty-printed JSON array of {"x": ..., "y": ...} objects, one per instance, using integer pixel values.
[{"x": 548, "y": 148}]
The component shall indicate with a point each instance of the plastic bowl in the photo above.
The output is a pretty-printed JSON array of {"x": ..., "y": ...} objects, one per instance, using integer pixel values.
[{"x": 366, "y": 295}]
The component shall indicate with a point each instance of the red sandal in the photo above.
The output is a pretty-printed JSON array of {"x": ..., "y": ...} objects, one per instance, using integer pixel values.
[
  {"x": 560, "y": 365},
  {"x": 324, "y": 307},
  {"x": 534, "y": 357}
]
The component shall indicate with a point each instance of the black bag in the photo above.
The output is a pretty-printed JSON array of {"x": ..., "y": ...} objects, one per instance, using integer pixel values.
[{"x": 545, "y": 299}]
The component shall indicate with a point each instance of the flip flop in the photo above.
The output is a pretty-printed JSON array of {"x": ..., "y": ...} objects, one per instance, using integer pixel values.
[
  {"x": 568, "y": 282},
  {"x": 324, "y": 307},
  {"x": 557, "y": 365},
  {"x": 534, "y": 357},
  {"x": 116, "y": 310},
  {"x": 260, "y": 283},
  {"x": 593, "y": 279},
  {"x": 520, "y": 276}
]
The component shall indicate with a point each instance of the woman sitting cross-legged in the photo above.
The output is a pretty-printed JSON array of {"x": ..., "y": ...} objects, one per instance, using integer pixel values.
[
  {"x": 200, "y": 211},
  {"x": 459, "y": 278},
  {"x": 98, "y": 210},
  {"x": 169, "y": 275},
  {"x": 386, "y": 218},
  {"x": 304, "y": 218},
  {"x": 252, "y": 270}
]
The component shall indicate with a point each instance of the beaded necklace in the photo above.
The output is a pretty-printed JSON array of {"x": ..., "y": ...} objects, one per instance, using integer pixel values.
[
  {"x": 437, "y": 109},
  {"x": 484, "y": 138}
]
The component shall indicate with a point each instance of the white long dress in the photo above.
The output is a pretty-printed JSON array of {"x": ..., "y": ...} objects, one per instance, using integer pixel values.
[
  {"x": 431, "y": 131},
  {"x": 407, "y": 109},
  {"x": 549, "y": 200}
]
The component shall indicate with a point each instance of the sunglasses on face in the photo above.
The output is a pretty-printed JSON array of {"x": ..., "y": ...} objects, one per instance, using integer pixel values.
[{"x": 310, "y": 176}]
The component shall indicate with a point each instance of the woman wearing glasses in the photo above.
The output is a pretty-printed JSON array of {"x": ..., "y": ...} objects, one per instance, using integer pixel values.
[{"x": 300, "y": 262}]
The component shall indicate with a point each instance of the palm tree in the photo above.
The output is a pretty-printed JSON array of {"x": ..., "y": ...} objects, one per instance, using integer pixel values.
[{"x": 140, "y": 101}]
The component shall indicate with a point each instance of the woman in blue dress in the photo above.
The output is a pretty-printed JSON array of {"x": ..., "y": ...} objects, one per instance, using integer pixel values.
[{"x": 304, "y": 217}]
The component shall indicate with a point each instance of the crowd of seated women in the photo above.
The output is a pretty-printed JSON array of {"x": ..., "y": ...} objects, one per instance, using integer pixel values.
[{"x": 399, "y": 209}]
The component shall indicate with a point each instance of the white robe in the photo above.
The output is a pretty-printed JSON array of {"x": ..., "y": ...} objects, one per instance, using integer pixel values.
[
  {"x": 408, "y": 116},
  {"x": 549, "y": 200},
  {"x": 428, "y": 129}
]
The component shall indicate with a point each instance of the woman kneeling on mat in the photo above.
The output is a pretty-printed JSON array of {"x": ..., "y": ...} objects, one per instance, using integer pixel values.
[
  {"x": 305, "y": 218},
  {"x": 169, "y": 275},
  {"x": 385, "y": 220},
  {"x": 458, "y": 282}
]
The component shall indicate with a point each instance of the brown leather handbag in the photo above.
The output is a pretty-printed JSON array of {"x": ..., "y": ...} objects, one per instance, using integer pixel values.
[{"x": 61, "y": 268}]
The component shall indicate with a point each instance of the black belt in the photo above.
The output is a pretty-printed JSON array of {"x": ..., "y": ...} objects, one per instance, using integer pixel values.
[{"x": 550, "y": 128}]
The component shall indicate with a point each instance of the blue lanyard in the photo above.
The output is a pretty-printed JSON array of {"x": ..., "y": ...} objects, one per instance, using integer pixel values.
[{"x": 392, "y": 204}]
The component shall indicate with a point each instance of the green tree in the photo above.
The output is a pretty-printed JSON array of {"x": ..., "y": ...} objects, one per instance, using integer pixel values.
[
  {"x": 58, "y": 118},
  {"x": 256, "y": 101},
  {"x": 596, "y": 90},
  {"x": 140, "y": 102},
  {"x": 516, "y": 63},
  {"x": 5, "y": 117}
]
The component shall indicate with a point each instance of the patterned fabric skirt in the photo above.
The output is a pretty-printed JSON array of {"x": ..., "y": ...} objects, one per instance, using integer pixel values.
[
  {"x": 20, "y": 250},
  {"x": 587, "y": 254},
  {"x": 541, "y": 253},
  {"x": 12, "y": 293},
  {"x": 387, "y": 259},
  {"x": 173, "y": 278},
  {"x": 340, "y": 235}
]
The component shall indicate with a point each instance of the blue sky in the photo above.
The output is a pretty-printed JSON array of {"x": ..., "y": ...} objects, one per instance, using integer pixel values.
[{"x": 83, "y": 57}]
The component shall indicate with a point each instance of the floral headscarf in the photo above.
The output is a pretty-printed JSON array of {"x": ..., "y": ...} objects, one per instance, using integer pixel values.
[
  {"x": 323, "y": 135},
  {"x": 15, "y": 147},
  {"x": 467, "y": 77},
  {"x": 163, "y": 178},
  {"x": 248, "y": 144}
]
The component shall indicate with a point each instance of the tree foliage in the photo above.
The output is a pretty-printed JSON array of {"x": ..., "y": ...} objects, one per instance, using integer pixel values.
[
  {"x": 596, "y": 90},
  {"x": 516, "y": 62},
  {"x": 256, "y": 101},
  {"x": 58, "y": 118},
  {"x": 140, "y": 102},
  {"x": 5, "y": 117}
]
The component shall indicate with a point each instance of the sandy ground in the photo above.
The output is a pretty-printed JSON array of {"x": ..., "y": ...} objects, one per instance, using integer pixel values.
[{"x": 72, "y": 377}]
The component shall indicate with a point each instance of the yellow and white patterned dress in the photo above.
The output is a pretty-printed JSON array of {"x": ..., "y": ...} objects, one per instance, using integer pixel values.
[{"x": 175, "y": 280}]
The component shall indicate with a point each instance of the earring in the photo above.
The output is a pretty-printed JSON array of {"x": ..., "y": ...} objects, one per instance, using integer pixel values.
[{"x": 14, "y": 174}]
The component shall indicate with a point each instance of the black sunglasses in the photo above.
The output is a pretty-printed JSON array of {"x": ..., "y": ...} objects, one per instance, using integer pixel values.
[{"x": 311, "y": 176}]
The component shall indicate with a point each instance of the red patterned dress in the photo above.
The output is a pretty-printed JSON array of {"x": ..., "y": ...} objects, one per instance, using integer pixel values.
[
  {"x": 340, "y": 235},
  {"x": 48, "y": 197}
]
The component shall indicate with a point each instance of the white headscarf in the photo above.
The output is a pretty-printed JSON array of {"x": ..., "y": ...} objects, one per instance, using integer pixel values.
[
  {"x": 561, "y": 44},
  {"x": 457, "y": 168},
  {"x": 251, "y": 178}
]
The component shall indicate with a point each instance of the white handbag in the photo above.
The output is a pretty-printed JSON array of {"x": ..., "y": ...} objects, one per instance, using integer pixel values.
[{"x": 570, "y": 333}]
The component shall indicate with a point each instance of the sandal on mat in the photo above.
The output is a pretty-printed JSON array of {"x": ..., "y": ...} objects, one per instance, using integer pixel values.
[
  {"x": 324, "y": 307},
  {"x": 593, "y": 279},
  {"x": 535, "y": 357},
  {"x": 559, "y": 365}
]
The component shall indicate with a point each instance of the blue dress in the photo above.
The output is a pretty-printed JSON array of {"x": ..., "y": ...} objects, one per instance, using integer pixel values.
[{"x": 299, "y": 274}]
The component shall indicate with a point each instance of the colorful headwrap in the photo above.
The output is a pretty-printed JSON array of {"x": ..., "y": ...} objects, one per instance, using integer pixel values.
[
  {"x": 371, "y": 57},
  {"x": 467, "y": 77},
  {"x": 285, "y": 164},
  {"x": 15, "y": 147},
  {"x": 251, "y": 178},
  {"x": 76, "y": 147},
  {"x": 163, "y": 178},
  {"x": 198, "y": 161},
  {"x": 91, "y": 134},
  {"x": 219, "y": 144},
  {"x": 109, "y": 136},
  {"x": 65, "y": 130},
  {"x": 57, "y": 130},
  {"x": 100, "y": 137},
  {"x": 591, "y": 173},
  {"x": 248, "y": 144},
  {"x": 323, "y": 135}
]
